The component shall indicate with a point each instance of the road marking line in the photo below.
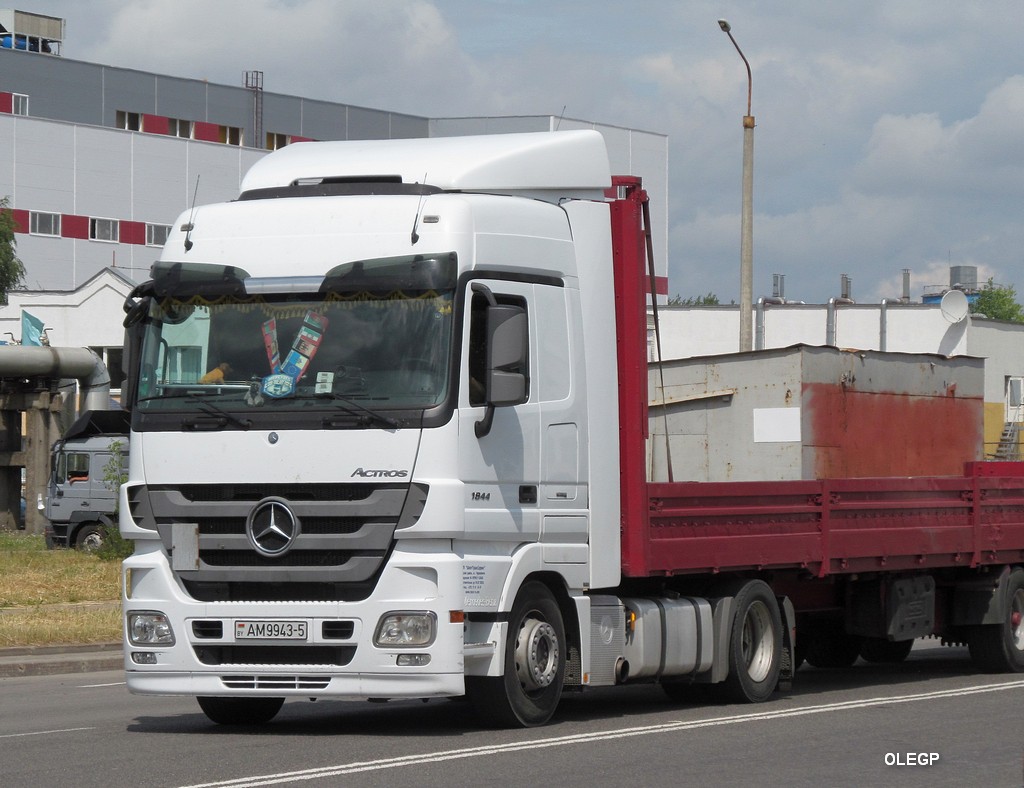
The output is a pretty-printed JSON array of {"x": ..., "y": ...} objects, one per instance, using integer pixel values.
[
  {"x": 109, "y": 684},
  {"x": 585, "y": 738},
  {"x": 44, "y": 733}
]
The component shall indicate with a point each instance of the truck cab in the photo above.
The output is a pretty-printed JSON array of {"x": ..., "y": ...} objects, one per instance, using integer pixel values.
[{"x": 81, "y": 501}]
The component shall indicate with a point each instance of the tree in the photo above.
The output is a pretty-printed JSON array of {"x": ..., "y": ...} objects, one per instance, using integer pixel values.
[
  {"x": 998, "y": 302},
  {"x": 115, "y": 547},
  {"x": 705, "y": 300},
  {"x": 12, "y": 272}
]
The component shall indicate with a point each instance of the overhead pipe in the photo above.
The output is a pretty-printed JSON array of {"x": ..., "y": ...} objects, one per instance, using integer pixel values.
[{"x": 60, "y": 362}]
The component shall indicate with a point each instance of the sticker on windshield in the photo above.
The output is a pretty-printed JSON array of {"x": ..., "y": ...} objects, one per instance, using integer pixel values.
[
  {"x": 284, "y": 377},
  {"x": 279, "y": 385},
  {"x": 270, "y": 342}
]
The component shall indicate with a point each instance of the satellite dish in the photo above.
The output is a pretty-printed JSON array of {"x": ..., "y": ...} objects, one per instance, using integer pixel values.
[{"x": 954, "y": 306}]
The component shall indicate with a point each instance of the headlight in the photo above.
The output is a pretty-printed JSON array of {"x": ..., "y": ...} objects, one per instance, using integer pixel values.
[
  {"x": 149, "y": 628},
  {"x": 406, "y": 628}
]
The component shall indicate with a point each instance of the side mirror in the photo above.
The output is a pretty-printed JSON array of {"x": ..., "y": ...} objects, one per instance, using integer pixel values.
[
  {"x": 507, "y": 336},
  {"x": 506, "y": 355}
]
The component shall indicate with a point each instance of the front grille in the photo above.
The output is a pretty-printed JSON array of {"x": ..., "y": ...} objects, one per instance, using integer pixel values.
[
  {"x": 344, "y": 534},
  {"x": 209, "y": 630},
  {"x": 294, "y": 558},
  {"x": 338, "y": 630},
  {"x": 205, "y": 493},
  {"x": 276, "y": 682},
  {"x": 274, "y": 655},
  {"x": 212, "y": 629}
]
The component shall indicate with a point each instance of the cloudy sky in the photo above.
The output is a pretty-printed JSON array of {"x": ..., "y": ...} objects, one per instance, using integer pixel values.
[{"x": 890, "y": 133}]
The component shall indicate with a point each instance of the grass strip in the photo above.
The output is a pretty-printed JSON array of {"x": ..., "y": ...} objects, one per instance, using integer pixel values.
[{"x": 41, "y": 591}]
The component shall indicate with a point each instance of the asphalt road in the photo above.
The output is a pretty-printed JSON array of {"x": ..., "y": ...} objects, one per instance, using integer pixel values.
[{"x": 932, "y": 721}]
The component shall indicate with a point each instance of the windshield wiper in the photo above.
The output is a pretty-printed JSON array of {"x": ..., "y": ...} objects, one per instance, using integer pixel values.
[
  {"x": 354, "y": 408},
  {"x": 212, "y": 410}
]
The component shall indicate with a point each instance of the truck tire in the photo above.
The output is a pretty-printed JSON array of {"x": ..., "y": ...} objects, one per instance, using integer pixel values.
[
  {"x": 755, "y": 644},
  {"x": 999, "y": 648},
  {"x": 90, "y": 537},
  {"x": 534, "y": 665},
  {"x": 829, "y": 645},
  {"x": 240, "y": 711},
  {"x": 883, "y": 651}
]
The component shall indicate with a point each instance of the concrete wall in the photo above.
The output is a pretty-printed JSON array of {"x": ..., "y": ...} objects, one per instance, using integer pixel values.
[{"x": 901, "y": 328}]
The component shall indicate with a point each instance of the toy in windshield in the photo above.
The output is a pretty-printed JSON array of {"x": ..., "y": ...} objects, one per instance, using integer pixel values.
[{"x": 217, "y": 374}]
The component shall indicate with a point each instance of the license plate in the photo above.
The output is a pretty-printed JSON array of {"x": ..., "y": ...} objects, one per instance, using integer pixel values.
[{"x": 271, "y": 630}]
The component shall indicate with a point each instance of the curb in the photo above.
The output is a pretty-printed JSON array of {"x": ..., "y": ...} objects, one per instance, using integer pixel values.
[{"x": 50, "y": 660}]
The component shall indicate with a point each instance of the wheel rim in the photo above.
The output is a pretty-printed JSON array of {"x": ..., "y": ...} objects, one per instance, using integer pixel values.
[
  {"x": 1017, "y": 620},
  {"x": 758, "y": 644},
  {"x": 537, "y": 654},
  {"x": 92, "y": 542}
]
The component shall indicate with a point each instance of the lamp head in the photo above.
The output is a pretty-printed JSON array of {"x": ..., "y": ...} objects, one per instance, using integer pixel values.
[{"x": 726, "y": 27}]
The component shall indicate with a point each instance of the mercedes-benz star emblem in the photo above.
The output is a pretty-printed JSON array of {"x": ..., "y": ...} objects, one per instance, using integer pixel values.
[{"x": 272, "y": 527}]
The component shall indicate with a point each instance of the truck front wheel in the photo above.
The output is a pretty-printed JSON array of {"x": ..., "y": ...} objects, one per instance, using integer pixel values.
[
  {"x": 534, "y": 665},
  {"x": 755, "y": 644},
  {"x": 240, "y": 711},
  {"x": 999, "y": 648},
  {"x": 89, "y": 538}
]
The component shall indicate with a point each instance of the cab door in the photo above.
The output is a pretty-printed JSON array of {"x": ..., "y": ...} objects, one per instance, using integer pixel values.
[
  {"x": 71, "y": 485},
  {"x": 500, "y": 468}
]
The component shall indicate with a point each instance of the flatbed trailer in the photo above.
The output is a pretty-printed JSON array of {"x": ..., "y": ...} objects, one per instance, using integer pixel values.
[
  {"x": 861, "y": 567},
  {"x": 834, "y": 526}
]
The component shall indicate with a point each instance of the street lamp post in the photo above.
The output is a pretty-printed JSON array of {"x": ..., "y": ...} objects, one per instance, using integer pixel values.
[{"x": 747, "y": 216}]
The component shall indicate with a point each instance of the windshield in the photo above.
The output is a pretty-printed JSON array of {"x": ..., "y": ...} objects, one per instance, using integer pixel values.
[{"x": 367, "y": 338}]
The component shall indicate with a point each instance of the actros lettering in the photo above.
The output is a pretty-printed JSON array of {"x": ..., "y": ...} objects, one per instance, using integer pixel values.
[{"x": 378, "y": 473}]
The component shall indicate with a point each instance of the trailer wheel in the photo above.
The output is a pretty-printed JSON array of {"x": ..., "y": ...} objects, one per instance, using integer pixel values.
[
  {"x": 999, "y": 648},
  {"x": 240, "y": 711},
  {"x": 534, "y": 670},
  {"x": 89, "y": 538},
  {"x": 755, "y": 644},
  {"x": 883, "y": 651}
]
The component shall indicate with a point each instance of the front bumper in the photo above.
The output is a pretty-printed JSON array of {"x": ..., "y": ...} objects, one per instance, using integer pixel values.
[{"x": 339, "y": 658}]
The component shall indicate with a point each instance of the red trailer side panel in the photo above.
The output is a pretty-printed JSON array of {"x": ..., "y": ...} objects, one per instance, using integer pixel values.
[{"x": 838, "y": 526}]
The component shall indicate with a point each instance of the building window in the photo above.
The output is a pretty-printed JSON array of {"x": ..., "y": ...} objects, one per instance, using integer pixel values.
[
  {"x": 43, "y": 223},
  {"x": 156, "y": 234},
  {"x": 130, "y": 121},
  {"x": 231, "y": 135},
  {"x": 179, "y": 128},
  {"x": 103, "y": 230},
  {"x": 276, "y": 141},
  {"x": 19, "y": 105}
]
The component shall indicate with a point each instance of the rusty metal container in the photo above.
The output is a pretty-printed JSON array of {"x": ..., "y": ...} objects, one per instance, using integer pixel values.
[{"x": 806, "y": 412}]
